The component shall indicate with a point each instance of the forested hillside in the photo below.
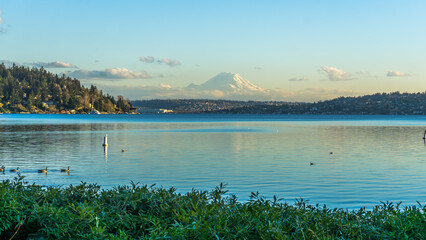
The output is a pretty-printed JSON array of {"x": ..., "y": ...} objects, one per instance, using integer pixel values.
[
  {"x": 35, "y": 90},
  {"x": 394, "y": 103}
]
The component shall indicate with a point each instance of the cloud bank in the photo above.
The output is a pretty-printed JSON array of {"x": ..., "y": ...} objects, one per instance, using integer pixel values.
[
  {"x": 335, "y": 74},
  {"x": 165, "y": 91},
  {"x": 398, "y": 74},
  {"x": 110, "y": 73},
  {"x": 167, "y": 61},
  {"x": 56, "y": 64},
  {"x": 298, "y": 79}
]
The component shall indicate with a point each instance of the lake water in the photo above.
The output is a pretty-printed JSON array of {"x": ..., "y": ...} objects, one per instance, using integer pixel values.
[{"x": 375, "y": 158}]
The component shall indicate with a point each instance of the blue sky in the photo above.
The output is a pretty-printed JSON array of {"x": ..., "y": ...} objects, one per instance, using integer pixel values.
[{"x": 299, "y": 50}]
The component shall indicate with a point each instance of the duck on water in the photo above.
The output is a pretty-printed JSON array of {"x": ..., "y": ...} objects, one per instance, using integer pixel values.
[{"x": 65, "y": 169}]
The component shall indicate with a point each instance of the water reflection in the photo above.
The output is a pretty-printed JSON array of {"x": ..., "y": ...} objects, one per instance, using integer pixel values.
[{"x": 106, "y": 153}]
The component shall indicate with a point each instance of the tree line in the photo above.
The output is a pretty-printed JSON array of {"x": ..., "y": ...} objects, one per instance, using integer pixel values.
[
  {"x": 35, "y": 90},
  {"x": 394, "y": 103}
]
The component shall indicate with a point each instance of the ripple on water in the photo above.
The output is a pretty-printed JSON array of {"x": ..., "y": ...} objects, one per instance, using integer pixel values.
[{"x": 374, "y": 158}]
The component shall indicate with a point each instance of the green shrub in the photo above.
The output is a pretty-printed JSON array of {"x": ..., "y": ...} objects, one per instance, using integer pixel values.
[{"x": 87, "y": 211}]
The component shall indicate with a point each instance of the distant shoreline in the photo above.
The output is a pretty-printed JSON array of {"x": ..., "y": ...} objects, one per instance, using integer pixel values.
[{"x": 394, "y": 103}]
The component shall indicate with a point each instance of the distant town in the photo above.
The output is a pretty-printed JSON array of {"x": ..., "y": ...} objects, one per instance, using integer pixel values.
[{"x": 394, "y": 103}]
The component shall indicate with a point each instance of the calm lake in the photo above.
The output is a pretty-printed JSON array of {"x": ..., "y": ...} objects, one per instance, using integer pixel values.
[{"x": 375, "y": 158}]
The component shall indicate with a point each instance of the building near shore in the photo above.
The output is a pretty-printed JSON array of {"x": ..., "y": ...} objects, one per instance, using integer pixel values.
[{"x": 153, "y": 110}]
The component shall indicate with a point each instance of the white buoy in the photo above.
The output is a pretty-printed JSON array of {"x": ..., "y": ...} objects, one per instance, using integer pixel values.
[{"x": 105, "y": 141}]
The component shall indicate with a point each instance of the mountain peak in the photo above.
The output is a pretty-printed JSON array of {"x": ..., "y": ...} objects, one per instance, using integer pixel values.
[{"x": 227, "y": 82}]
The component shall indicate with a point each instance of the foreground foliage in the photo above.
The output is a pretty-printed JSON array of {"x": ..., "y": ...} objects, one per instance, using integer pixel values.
[{"x": 86, "y": 211}]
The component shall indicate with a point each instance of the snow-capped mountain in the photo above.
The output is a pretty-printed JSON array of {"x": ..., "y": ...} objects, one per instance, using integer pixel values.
[{"x": 228, "y": 82}]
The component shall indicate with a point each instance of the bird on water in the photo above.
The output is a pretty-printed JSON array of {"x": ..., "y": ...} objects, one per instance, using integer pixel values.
[
  {"x": 2, "y": 168},
  {"x": 15, "y": 170},
  {"x": 65, "y": 169},
  {"x": 42, "y": 170}
]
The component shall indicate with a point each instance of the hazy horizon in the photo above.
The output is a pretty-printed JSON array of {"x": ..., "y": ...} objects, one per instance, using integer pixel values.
[{"x": 295, "y": 51}]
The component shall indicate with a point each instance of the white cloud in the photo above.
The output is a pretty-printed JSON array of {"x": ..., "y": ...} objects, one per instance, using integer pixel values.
[
  {"x": 298, "y": 79},
  {"x": 151, "y": 59},
  {"x": 110, "y": 73},
  {"x": 56, "y": 64},
  {"x": 398, "y": 74},
  {"x": 335, "y": 74},
  {"x": 162, "y": 85},
  {"x": 170, "y": 62}
]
